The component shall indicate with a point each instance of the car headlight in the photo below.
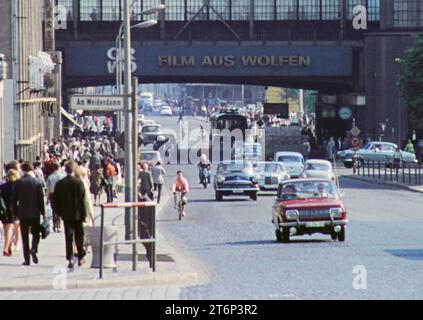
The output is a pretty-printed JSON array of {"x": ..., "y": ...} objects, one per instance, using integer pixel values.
[
  {"x": 336, "y": 213},
  {"x": 292, "y": 214},
  {"x": 220, "y": 179}
]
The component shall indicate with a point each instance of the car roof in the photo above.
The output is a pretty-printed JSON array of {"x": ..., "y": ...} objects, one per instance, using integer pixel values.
[
  {"x": 383, "y": 142},
  {"x": 235, "y": 162},
  {"x": 286, "y": 153},
  {"x": 305, "y": 180},
  {"x": 317, "y": 161}
]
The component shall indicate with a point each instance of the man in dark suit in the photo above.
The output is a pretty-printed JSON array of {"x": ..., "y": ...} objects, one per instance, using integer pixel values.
[
  {"x": 28, "y": 204},
  {"x": 68, "y": 199}
]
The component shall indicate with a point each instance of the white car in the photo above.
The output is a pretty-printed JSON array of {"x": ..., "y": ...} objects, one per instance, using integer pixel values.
[
  {"x": 270, "y": 174},
  {"x": 157, "y": 104},
  {"x": 318, "y": 169},
  {"x": 293, "y": 162},
  {"x": 166, "y": 111},
  {"x": 151, "y": 156}
]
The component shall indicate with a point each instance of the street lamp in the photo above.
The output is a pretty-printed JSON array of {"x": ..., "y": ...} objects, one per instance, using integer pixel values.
[
  {"x": 118, "y": 46},
  {"x": 130, "y": 187}
]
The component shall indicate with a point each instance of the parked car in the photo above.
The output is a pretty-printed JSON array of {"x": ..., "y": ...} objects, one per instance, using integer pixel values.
[
  {"x": 293, "y": 162},
  {"x": 166, "y": 111},
  {"x": 234, "y": 178},
  {"x": 150, "y": 156},
  {"x": 309, "y": 206},
  {"x": 150, "y": 133},
  {"x": 318, "y": 169},
  {"x": 270, "y": 174},
  {"x": 374, "y": 151}
]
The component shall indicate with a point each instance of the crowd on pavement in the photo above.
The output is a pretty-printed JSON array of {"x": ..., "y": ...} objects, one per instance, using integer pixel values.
[{"x": 63, "y": 185}]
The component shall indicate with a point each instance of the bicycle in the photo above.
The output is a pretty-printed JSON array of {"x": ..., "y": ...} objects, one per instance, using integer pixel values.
[{"x": 179, "y": 204}]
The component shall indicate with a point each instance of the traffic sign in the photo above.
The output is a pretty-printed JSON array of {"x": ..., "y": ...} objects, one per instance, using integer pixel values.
[
  {"x": 355, "y": 131},
  {"x": 105, "y": 103}
]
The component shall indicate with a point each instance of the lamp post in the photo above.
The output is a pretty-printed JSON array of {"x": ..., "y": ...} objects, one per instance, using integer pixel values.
[
  {"x": 129, "y": 161},
  {"x": 118, "y": 46}
]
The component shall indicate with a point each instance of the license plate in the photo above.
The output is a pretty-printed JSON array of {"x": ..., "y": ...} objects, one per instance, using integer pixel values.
[
  {"x": 315, "y": 224},
  {"x": 237, "y": 191}
]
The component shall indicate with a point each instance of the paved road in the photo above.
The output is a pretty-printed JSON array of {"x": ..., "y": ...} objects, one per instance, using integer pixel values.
[
  {"x": 233, "y": 243},
  {"x": 235, "y": 240}
]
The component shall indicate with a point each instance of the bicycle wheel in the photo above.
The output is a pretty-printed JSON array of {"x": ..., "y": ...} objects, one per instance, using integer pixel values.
[{"x": 180, "y": 210}]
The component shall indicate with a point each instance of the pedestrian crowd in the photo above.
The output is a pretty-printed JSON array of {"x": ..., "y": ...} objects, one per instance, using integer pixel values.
[{"x": 64, "y": 183}]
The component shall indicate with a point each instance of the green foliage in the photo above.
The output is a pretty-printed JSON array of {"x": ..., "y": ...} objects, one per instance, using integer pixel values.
[{"x": 410, "y": 83}]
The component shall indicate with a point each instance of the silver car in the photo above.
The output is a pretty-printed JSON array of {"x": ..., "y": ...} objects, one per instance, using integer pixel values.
[
  {"x": 374, "y": 151},
  {"x": 318, "y": 169},
  {"x": 270, "y": 174}
]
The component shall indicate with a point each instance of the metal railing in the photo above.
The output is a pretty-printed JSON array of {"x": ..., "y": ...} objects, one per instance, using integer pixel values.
[
  {"x": 150, "y": 240},
  {"x": 406, "y": 173}
]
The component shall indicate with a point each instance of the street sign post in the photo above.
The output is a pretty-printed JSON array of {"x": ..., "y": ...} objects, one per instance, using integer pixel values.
[{"x": 106, "y": 103}]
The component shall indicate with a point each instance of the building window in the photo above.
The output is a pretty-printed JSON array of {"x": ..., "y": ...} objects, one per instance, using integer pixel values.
[
  {"x": 331, "y": 9},
  {"x": 264, "y": 10},
  {"x": 65, "y": 5},
  {"x": 222, "y": 7},
  {"x": 241, "y": 10},
  {"x": 110, "y": 10},
  {"x": 89, "y": 10},
  {"x": 373, "y": 9},
  {"x": 287, "y": 10},
  {"x": 309, "y": 9},
  {"x": 175, "y": 10},
  {"x": 406, "y": 13},
  {"x": 193, "y": 7}
]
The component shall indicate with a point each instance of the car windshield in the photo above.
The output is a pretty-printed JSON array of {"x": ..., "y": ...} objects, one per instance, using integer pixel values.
[
  {"x": 290, "y": 159},
  {"x": 150, "y": 129},
  {"x": 261, "y": 168},
  {"x": 308, "y": 190},
  {"x": 318, "y": 166},
  {"x": 235, "y": 167},
  {"x": 149, "y": 156}
]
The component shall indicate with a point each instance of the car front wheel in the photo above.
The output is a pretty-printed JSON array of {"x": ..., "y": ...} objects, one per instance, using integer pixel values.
[
  {"x": 285, "y": 235},
  {"x": 253, "y": 196},
  {"x": 341, "y": 235},
  {"x": 278, "y": 235},
  {"x": 219, "y": 196}
]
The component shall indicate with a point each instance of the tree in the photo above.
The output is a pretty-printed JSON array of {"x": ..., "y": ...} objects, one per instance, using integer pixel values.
[{"x": 410, "y": 83}]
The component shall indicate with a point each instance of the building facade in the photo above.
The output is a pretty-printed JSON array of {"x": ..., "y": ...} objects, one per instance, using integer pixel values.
[
  {"x": 22, "y": 39},
  {"x": 401, "y": 22}
]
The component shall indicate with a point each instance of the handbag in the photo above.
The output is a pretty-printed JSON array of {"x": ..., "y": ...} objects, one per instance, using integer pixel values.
[
  {"x": 45, "y": 228},
  {"x": 3, "y": 210}
]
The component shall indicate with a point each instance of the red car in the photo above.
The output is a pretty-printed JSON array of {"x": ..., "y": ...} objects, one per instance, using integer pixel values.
[{"x": 308, "y": 206}]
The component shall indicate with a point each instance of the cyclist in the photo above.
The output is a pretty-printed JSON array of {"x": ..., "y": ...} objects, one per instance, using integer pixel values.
[{"x": 181, "y": 185}]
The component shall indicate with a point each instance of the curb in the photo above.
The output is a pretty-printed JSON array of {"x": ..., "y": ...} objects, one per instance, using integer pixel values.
[
  {"x": 174, "y": 279},
  {"x": 383, "y": 182}
]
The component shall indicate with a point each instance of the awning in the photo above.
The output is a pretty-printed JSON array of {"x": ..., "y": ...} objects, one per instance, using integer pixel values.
[{"x": 68, "y": 116}]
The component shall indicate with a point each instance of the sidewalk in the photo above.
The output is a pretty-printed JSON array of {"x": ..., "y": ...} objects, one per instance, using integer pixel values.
[
  {"x": 51, "y": 272},
  {"x": 383, "y": 182}
]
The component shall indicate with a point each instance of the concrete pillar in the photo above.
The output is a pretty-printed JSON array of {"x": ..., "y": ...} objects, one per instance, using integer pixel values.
[
  {"x": 251, "y": 19},
  {"x": 387, "y": 14}
]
